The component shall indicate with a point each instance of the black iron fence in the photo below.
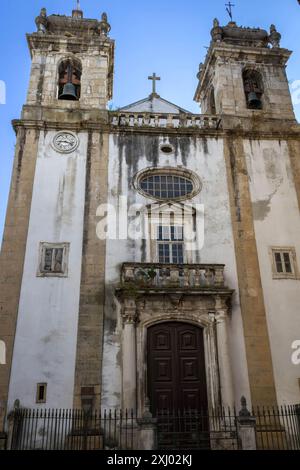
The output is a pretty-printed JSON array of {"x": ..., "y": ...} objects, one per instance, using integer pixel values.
[
  {"x": 72, "y": 430},
  {"x": 277, "y": 428},
  {"x": 218, "y": 429}
]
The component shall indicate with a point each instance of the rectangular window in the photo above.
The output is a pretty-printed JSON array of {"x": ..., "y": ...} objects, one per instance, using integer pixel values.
[
  {"x": 53, "y": 259},
  {"x": 41, "y": 393},
  {"x": 170, "y": 244},
  {"x": 284, "y": 263}
]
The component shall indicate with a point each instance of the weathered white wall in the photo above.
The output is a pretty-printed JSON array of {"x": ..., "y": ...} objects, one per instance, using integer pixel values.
[
  {"x": 277, "y": 223},
  {"x": 45, "y": 343},
  {"x": 128, "y": 155}
]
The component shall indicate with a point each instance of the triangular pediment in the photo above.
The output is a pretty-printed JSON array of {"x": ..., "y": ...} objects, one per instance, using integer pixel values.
[
  {"x": 170, "y": 207},
  {"x": 154, "y": 104}
]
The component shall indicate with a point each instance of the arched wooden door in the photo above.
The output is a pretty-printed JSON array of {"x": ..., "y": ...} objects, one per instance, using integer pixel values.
[{"x": 176, "y": 367}]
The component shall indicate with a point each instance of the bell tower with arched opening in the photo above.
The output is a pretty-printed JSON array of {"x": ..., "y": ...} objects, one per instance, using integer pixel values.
[
  {"x": 245, "y": 70},
  {"x": 59, "y": 179}
]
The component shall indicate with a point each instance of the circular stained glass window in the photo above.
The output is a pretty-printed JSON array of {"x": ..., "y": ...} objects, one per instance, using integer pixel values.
[{"x": 163, "y": 186}]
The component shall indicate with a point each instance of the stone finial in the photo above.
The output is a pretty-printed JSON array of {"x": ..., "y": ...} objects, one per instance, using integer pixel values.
[
  {"x": 216, "y": 32},
  {"x": 201, "y": 67},
  {"x": 104, "y": 27},
  {"x": 17, "y": 404},
  {"x": 147, "y": 413},
  {"x": 274, "y": 37},
  {"x": 244, "y": 412},
  {"x": 41, "y": 21}
]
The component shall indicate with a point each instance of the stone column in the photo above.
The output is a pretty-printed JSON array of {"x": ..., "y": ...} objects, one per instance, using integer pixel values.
[
  {"x": 225, "y": 371},
  {"x": 129, "y": 354}
]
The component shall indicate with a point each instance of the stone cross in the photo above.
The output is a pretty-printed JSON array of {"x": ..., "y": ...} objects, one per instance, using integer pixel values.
[{"x": 154, "y": 78}]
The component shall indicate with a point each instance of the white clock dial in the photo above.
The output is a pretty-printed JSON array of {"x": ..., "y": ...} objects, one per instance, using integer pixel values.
[{"x": 65, "y": 142}]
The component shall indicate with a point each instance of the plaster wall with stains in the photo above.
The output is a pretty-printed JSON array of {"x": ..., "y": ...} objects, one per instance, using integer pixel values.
[
  {"x": 277, "y": 224},
  {"x": 130, "y": 153},
  {"x": 46, "y": 332}
]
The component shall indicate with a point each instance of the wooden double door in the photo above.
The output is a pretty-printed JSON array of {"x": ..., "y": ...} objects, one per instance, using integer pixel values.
[{"x": 176, "y": 367}]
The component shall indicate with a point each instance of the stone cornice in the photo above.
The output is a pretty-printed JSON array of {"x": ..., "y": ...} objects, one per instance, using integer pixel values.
[
  {"x": 72, "y": 44},
  {"x": 102, "y": 125}
]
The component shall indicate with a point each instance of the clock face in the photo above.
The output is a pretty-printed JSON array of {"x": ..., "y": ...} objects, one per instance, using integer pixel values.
[{"x": 65, "y": 142}]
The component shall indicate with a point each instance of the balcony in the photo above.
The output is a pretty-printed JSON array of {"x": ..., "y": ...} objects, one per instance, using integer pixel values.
[
  {"x": 165, "y": 277},
  {"x": 167, "y": 121}
]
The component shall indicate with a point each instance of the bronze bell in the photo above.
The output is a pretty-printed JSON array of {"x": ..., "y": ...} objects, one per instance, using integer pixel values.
[
  {"x": 69, "y": 92},
  {"x": 253, "y": 101}
]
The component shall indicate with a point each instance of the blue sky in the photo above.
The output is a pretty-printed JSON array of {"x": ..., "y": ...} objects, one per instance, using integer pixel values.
[{"x": 163, "y": 36}]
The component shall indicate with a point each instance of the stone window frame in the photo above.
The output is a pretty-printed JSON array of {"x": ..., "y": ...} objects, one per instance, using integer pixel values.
[
  {"x": 294, "y": 275},
  {"x": 167, "y": 171},
  {"x": 170, "y": 214},
  {"x": 65, "y": 260},
  {"x": 38, "y": 389}
]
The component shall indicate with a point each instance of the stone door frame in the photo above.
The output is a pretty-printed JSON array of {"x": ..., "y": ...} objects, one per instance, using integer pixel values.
[{"x": 209, "y": 313}]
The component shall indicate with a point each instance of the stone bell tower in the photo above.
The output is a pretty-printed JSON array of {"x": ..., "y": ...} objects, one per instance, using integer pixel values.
[
  {"x": 243, "y": 81},
  {"x": 59, "y": 179},
  {"x": 63, "y": 43},
  {"x": 245, "y": 72}
]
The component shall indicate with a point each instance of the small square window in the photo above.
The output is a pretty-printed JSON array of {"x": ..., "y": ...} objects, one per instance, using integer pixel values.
[
  {"x": 284, "y": 263},
  {"x": 53, "y": 260},
  {"x": 41, "y": 393}
]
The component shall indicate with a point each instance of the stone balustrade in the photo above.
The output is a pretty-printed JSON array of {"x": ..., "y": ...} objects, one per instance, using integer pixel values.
[
  {"x": 168, "y": 121},
  {"x": 189, "y": 276}
]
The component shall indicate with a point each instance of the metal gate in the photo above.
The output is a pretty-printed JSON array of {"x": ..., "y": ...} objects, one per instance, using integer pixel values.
[{"x": 197, "y": 430}]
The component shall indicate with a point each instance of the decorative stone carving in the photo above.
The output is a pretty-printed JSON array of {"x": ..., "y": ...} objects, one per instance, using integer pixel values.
[
  {"x": 176, "y": 300},
  {"x": 41, "y": 21},
  {"x": 104, "y": 27},
  {"x": 65, "y": 142},
  {"x": 221, "y": 306},
  {"x": 216, "y": 32},
  {"x": 129, "y": 311},
  {"x": 274, "y": 37}
]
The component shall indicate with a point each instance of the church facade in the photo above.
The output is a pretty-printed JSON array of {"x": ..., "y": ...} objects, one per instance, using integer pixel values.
[{"x": 150, "y": 255}]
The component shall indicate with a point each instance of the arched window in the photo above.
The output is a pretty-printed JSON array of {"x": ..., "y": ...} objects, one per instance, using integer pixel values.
[
  {"x": 253, "y": 88},
  {"x": 69, "y": 80}
]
